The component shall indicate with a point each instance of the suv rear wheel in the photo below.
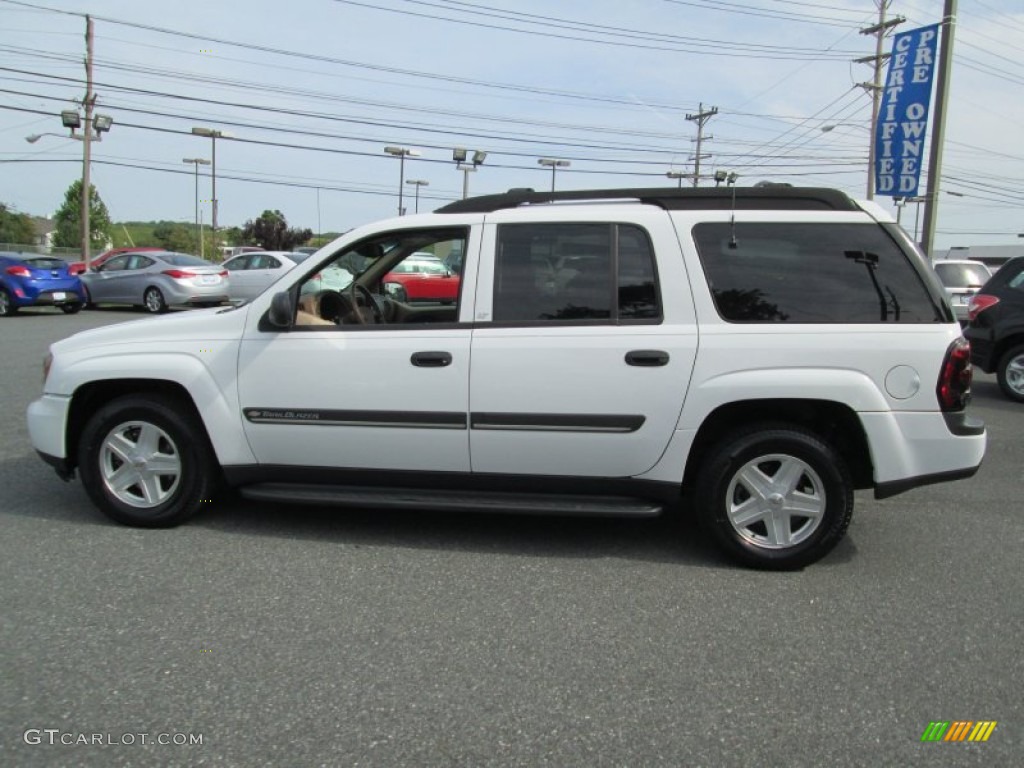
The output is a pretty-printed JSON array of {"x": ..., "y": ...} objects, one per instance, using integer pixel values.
[
  {"x": 145, "y": 462},
  {"x": 775, "y": 496},
  {"x": 1010, "y": 373}
]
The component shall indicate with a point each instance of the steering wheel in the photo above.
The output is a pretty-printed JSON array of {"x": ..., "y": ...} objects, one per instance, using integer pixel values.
[{"x": 374, "y": 303}]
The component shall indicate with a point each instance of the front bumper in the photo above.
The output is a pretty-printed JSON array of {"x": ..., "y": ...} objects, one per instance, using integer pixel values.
[{"x": 47, "y": 427}]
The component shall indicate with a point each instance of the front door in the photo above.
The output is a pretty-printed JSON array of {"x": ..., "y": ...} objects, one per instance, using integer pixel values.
[{"x": 361, "y": 380}]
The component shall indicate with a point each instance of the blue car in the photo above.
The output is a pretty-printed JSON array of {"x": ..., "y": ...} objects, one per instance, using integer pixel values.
[{"x": 28, "y": 280}]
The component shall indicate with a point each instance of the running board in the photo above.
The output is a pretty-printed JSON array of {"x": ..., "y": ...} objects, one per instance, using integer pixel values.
[{"x": 452, "y": 501}]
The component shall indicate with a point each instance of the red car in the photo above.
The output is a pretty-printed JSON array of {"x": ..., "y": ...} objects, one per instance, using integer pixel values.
[
  {"x": 78, "y": 267},
  {"x": 425, "y": 278}
]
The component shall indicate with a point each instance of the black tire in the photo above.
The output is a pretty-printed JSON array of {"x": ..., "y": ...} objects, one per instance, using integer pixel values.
[
  {"x": 71, "y": 309},
  {"x": 153, "y": 300},
  {"x": 7, "y": 305},
  {"x": 800, "y": 472},
  {"x": 87, "y": 299},
  {"x": 176, "y": 437},
  {"x": 1010, "y": 373}
]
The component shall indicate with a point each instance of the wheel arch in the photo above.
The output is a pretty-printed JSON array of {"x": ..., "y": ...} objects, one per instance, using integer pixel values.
[
  {"x": 1006, "y": 343},
  {"x": 834, "y": 422},
  {"x": 219, "y": 422}
]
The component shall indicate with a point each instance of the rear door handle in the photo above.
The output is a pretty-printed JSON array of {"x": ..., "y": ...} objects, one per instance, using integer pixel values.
[
  {"x": 431, "y": 359},
  {"x": 647, "y": 357}
]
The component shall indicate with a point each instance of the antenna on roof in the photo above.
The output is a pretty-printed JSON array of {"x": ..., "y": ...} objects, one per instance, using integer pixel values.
[{"x": 730, "y": 180}]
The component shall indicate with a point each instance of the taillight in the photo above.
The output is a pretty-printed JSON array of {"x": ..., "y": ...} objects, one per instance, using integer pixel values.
[
  {"x": 178, "y": 274},
  {"x": 19, "y": 271},
  {"x": 978, "y": 303},
  {"x": 954, "y": 387},
  {"x": 223, "y": 273}
]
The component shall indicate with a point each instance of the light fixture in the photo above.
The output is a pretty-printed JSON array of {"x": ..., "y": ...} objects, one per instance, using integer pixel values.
[
  {"x": 680, "y": 175},
  {"x": 71, "y": 119},
  {"x": 102, "y": 123},
  {"x": 462, "y": 163},
  {"x": 553, "y": 163}
]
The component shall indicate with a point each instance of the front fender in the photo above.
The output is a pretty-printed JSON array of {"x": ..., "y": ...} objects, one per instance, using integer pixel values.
[{"x": 207, "y": 375}]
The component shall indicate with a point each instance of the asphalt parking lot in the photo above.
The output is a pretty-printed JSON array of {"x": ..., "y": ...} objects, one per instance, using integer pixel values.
[{"x": 303, "y": 636}]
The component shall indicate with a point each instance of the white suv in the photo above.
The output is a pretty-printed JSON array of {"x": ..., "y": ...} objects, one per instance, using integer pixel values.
[{"x": 754, "y": 355}]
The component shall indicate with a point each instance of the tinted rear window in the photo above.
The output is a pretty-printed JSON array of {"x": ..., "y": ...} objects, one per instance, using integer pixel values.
[{"x": 811, "y": 273}]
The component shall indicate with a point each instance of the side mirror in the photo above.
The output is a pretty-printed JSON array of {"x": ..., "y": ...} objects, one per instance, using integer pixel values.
[
  {"x": 282, "y": 312},
  {"x": 396, "y": 292}
]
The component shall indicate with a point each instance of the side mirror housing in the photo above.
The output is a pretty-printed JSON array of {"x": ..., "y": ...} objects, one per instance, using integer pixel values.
[
  {"x": 282, "y": 311},
  {"x": 396, "y": 292}
]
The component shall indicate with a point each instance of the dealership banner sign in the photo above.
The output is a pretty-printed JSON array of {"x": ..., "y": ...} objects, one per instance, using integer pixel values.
[{"x": 903, "y": 118}]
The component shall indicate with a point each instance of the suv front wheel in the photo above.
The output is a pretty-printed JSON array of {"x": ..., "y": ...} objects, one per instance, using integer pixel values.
[
  {"x": 775, "y": 497},
  {"x": 145, "y": 462}
]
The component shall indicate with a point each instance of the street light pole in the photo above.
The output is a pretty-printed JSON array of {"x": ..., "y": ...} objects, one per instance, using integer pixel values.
[
  {"x": 213, "y": 134},
  {"x": 418, "y": 183},
  {"x": 197, "y": 161},
  {"x": 401, "y": 153},
  {"x": 677, "y": 175},
  {"x": 553, "y": 163}
]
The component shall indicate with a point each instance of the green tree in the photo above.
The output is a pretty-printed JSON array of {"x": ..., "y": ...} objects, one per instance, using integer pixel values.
[
  {"x": 68, "y": 232},
  {"x": 271, "y": 231},
  {"x": 175, "y": 237},
  {"x": 16, "y": 227}
]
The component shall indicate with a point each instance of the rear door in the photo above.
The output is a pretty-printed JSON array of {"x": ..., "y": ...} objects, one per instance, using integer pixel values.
[{"x": 584, "y": 343}]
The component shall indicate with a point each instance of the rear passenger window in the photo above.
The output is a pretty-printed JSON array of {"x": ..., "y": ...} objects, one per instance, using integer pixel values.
[
  {"x": 811, "y": 273},
  {"x": 575, "y": 272}
]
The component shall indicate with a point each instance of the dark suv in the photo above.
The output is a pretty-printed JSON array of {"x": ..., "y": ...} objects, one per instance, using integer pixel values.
[{"x": 996, "y": 328}]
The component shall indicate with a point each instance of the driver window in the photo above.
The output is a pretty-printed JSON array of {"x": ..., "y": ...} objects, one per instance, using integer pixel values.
[{"x": 399, "y": 278}]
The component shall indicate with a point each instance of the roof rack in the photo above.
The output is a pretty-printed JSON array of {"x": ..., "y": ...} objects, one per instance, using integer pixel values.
[{"x": 673, "y": 199}]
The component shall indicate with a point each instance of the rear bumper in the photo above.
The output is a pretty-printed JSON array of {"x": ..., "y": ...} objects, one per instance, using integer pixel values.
[
  {"x": 909, "y": 450},
  {"x": 982, "y": 348},
  {"x": 42, "y": 296}
]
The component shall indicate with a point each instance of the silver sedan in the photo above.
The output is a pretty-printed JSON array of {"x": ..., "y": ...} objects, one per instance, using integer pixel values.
[
  {"x": 156, "y": 280},
  {"x": 251, "y": 273}
]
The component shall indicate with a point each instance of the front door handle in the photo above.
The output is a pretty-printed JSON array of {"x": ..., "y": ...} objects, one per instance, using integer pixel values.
[
  {"x": 431, "y": 359},
  {"x": 647, "y": 357}
]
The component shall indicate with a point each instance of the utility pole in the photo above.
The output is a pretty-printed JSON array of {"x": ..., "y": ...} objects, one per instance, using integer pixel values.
[
  {"x": 931, "y": 201},
  {"x": 700, "y": 118},
  {"x": 879, "y": 30},
  {"x": 88, "y": 103}
]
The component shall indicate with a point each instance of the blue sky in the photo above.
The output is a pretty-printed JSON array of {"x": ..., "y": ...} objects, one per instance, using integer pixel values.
[{"x": 313, "y": 90}]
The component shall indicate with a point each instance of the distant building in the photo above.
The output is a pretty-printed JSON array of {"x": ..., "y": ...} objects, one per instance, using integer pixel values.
[
  {"x": 991, "y": 255},
  {"x": 45, "y": 227}
]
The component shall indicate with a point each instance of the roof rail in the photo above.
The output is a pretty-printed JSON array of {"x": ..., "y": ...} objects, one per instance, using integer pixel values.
[{"x": 672, "y": 199}]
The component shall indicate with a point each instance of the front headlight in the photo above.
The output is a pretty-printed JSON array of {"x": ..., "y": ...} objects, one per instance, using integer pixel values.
[{"x": 47, "y": 362}]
